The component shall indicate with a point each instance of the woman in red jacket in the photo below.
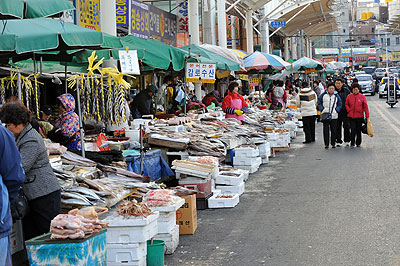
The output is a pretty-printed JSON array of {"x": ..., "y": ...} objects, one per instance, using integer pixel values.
[
  {"x": 356, "y": 106},
  {"x": 234, "y": 104}
]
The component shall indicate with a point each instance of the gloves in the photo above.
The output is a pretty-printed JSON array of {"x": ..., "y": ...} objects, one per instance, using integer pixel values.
[{"x": 238, "y": 112}]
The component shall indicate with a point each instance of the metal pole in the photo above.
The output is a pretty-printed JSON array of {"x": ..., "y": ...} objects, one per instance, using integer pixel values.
[
  {"x": 65, "y": 71},
  {"x": 387, "y": 58},
  {"x": 141, "y": 149},
  {"x": 19, "y": 86},
  {"x": 295, "y": 15},
  {"x": 80, "y": 117}
]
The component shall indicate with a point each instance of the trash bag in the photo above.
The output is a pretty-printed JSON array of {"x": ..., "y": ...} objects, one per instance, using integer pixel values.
[
  {"x": 364, "y": 127},
  {"x": 370, "y": 130}
]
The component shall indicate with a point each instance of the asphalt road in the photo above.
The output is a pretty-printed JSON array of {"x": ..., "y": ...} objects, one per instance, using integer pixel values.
[{"x": 311, "y": 206}]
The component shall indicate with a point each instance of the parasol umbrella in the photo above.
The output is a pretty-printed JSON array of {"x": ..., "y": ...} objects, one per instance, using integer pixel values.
[
  {"x": 306, "y": 62},
  {"x": 259, "y": 61},
  {"x": 240, "y": 52},
  {"x": 336, "y": 65},
  {"x": 225, "y": 52},
  {"x": 19, "y": 9}
]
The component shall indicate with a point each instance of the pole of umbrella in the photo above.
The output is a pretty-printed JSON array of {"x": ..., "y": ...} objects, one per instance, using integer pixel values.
[
  {"x": 65, "y": 76},
  {"x": 19, "y": 86},
  {"x": 80, "y": 117}
]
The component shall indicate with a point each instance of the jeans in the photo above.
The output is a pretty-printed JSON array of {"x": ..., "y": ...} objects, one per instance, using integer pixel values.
[
  {"x": 346, "y": 129},
  {"x": 5, "y": 251},
  {"x": 330, "y": 127},
  {"x": 309, "y": 128},
  {"x": 356, "y": 125}
]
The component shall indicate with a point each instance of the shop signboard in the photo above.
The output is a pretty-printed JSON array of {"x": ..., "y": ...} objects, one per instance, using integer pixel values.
[
  {"x": 200, "y": 72},
  {"x": 182, "y": 16},
  {"x": 122, "y": 13},
  {"x": 149, "y": 21},
  {"x": 253, "y": 80},
  {"x": 371, "y": 57},
  {"x": 88, "y": 14},
  {"x": 310, "y": 70},
  {"x": 326, "y": 51},
  {"x": 129, "y": 62},
  {"x": 396, "y": 56}
]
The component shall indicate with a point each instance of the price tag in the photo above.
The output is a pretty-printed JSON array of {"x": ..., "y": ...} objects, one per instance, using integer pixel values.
[{"x": 129, "y": 62}]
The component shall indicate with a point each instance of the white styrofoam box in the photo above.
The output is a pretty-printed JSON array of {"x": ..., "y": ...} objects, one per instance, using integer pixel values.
[
  {"x": 193, "y": 172},
  {"x": 245, "y": 174},
  {"x": 252, "y": 169},
  {"x": 264, "y": 148},
  {"x": 183, "y": 154},
  {"x": 166, "y": 222},
  {"x": 246, "y": 152},
  {"x": 215, "y": 202},
  {"x": 134, "y": 263},
  {"x": 229, "y": 180},
  {"x": 170, "y": 208},
  {"x": 132, "y": 230},
  {"x": 265, "y": 160},
  {"x": 272, "y": 136},
  {"x": 232, "y": 189},
  {"x": 246, "y": 161},
  {"x": 191, "y": 180},
  {"x": 126, "y": 253},
  {"x": 171, "y": 240},
  {"x": 293, "y": 134}
]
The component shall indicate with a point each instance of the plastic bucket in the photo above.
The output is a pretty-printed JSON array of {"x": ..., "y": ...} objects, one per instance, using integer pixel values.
[{"x": 155, "y": 253}]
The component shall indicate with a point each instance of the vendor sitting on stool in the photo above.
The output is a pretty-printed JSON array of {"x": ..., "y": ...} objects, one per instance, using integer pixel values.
[
  {"x": 234, "y": 104},
  {"x": 142, "y": 103}
]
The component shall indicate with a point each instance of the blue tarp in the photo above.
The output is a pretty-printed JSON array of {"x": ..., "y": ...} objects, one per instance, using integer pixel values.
[{"x": 154, "y": 165}]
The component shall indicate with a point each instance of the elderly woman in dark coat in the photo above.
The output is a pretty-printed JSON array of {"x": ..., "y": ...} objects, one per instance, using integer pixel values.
[{"x": 41, "y": 186}]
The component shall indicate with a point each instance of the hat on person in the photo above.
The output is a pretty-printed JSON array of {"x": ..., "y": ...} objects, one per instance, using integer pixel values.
[
  {"x": 46, "y": 109},
  {"x": 152, "y": 88}
]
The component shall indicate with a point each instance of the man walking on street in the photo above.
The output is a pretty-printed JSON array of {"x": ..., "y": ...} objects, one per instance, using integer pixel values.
[
  {"x": 12, "y": 177},
  {"x": 343, "y": 92}
]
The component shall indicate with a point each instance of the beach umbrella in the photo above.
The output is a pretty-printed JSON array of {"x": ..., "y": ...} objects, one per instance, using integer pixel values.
[
  {"x": 259, "y": 61},
  {"x": 20, "y": 9},
  {"x": 306, "y": 62},
  {"x": 225, "y": 52},
  {"x": 240, "y": 52}
]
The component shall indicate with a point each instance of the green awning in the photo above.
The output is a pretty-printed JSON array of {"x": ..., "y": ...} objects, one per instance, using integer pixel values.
[
  {"x": 33, "y": 35},
  {"x": 50, "y": 67},
  {"x": 33, "y": 8},
  {"x": 207, "y": 56},
  {"x": 306, "y": 62}
]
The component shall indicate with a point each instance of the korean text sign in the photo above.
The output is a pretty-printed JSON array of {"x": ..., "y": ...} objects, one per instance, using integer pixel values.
[
  {"x": 122, "y": 13},
  {"x": 129, "y": 62},
  {"x": 89, "y": 14},
  {"x": 200, "y": 72}
]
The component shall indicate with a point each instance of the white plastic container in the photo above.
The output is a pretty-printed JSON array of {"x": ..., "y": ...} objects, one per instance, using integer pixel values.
[
  {"x": 171, "y": 240},
  {"x": 246, "y": 161},
  {"x": 265, "y": 160},
  {"x": 133, "y": 134},
  {"x": 215, "y": 202},
  {"x": 265, "y": 149},
  {"x": 246, "y": 152},
  {"x": 231, "y": 189},
  {"x": 127, "y": 254},
  {"x": 229, "y": 180},
  {"x": 166, "y": 222},
  {"x": 251, "y": 169},
  {"x": 132, "y": 230}
]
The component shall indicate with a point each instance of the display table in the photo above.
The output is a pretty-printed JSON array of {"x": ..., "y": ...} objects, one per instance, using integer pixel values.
[{"x": 154, "y": 165}]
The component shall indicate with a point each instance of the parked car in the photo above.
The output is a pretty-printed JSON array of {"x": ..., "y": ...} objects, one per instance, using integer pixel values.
[
  {"x": 383, "y": 86},
  {"x": 369, "y": 70},
  {"x": 381, "y": 72},
  {"x": 367, "y": 84}
]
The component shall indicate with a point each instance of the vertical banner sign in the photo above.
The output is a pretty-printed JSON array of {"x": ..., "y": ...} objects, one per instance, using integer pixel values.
[
  {"x": 150, "y": 21},
  {"x": 129, "y": 62},
  {"x": 122, "y": 13},
  {"x": 198, "y": 72},
  {"x": 89, "y": 14},
  {"x": 182, "y": 16}
]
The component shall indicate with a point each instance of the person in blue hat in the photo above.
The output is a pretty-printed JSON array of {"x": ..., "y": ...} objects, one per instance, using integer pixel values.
[{"x": 142, "y": 104}]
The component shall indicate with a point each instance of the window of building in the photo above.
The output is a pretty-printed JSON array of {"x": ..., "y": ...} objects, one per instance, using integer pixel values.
[
  {"x": 373, "y": 30},
  {"x": 397, "y": 40},
  {"x": 388, "y": 42},
  {"x": 381, "y": 41},
  {"x": 344, "y": 30}
]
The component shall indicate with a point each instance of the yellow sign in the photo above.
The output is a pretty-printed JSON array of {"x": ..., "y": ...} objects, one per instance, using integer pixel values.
[
  {"x": 253, "y": 81},
  {"x": 89, "y": 14},
  {"x": 390, "y": 57},
  {"x": 244, "y": 77},
  {"x": 310, "y": 70},
  {"x": 396, "y": 56}
]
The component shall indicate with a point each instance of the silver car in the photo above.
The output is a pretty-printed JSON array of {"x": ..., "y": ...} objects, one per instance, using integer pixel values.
[
  {"x": 381, "y": 72},
  {"x": 367, "y": 83}
]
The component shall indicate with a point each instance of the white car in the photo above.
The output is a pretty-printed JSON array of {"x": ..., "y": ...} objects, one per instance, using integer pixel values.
[
  {"x": 381, "y": 72},
  {"x": 367, "y": 83}
]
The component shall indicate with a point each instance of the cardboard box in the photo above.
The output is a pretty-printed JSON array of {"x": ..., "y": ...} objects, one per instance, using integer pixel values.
[{"x": 186, "y": 216}]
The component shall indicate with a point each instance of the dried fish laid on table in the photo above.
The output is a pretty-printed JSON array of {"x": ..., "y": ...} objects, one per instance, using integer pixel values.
[
  {"x": 134, "y": 208},
  {"x": 72, "y": 198},
  {"x": 86, "y": 192},
  {"x": 211, "y": 147}
]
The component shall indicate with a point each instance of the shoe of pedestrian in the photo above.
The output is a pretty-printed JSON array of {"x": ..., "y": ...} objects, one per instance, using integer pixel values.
[
  {"x": 339, "y": 144},
  {"x": 347, "y": 144},
  {"x": 326, "y": 147},
  {"x": 333, "y": 146},
  {"x": 306, "y": 142},
  {"x": 352, "y": 145},
  {"x": 358, "y": 146}
]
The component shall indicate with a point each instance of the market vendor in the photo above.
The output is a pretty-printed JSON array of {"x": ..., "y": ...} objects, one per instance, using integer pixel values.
[
  {"x": 278, "y": 96},
  {"x": 68, "y": 121},
  {"x": 41, "y": 186},
  {"x": 42, "y": 125},
  {"x": 234, "y": 104},
  {"x": 142, "y": 104},
  {"x": 211, "y": 98}
]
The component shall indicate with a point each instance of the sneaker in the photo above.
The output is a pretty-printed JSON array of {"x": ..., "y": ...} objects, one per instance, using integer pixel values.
[
  {"x": 339, "y": 144},
  {"x": 358, "y": 146},
  {"x": 326, "y": 147},
  {"x": 347, "y": 144},
  {"x": 333, "y": 146}
]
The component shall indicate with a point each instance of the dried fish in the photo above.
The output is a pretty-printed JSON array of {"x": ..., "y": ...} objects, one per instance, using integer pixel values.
[
  {"x": 75, "y": 202},
  {"x": 73, "y": 195},
  {"x": 88, "y": 193}
]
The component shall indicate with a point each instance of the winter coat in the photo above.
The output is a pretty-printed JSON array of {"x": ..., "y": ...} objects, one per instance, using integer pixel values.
[
  {"x": 226, "y": 103},
  {"x": 327, "y": 103},
  {"x": 69, "y": 121},
  {"x": 40, "y": 179},
  {"x": 210, "y": 98},
  {"x": 142, "y": 104},
  {"x": 277, "y": 97},
  {"x": 12, "y": 177},
  {"x": 343, "y": 96},
  {"x": 306, "y": 100},
  {"x": 356, "y": 106}
]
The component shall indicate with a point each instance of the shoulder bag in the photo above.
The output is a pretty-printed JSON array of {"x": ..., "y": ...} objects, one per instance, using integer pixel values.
[{"x": 326, "y": 117}]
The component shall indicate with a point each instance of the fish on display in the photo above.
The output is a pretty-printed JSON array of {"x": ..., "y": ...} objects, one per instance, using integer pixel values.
[
  {"x": 88, "y": 193},
  {"x": 73, "y": 195},
  {"x": 75, "y": 202}
]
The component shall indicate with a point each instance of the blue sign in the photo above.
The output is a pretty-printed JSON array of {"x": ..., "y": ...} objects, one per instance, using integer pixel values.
[
  {"x": 373, "y": 40},
  {"x": 277, "y": 24},
  {"x": 122, "y": 10}
]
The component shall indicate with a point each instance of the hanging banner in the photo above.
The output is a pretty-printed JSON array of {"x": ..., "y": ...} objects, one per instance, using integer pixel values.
[
  {"x": 129, "y": 62},
  {"x": 149, "y": 21},
  {"x": 198, "y": 72},
  {"x": 310, "y": 70},
  {"x": 182, "y": 16},
  {"x": 89, "y": 14},
  {"x": 253, "y": 80},
  {"x": 122, "y": 13}
]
